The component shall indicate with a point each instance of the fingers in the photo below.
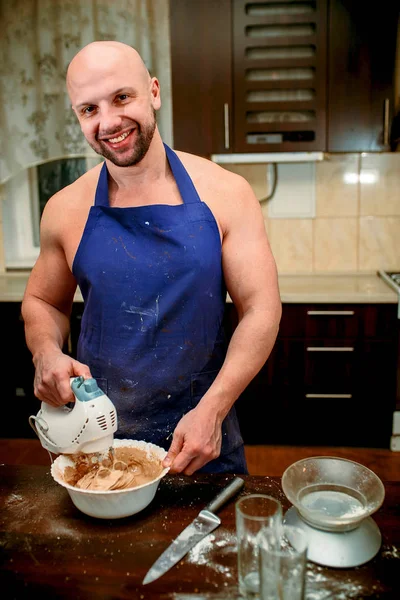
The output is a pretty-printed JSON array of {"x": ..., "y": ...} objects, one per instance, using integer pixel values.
[
  {"x": 46, "y": 391},
  {"x": 181, "y": 461},
  {"x": 174, "y": 450},
  {"x": 195, "y": 465},
  {"x": 81, "y": 370},
  {"x": 52, "y": 380},
  {"x": 189, "y": 460}
]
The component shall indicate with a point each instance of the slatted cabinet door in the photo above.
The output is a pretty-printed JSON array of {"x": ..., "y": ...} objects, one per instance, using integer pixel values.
[{"x": 279, "y": 67}]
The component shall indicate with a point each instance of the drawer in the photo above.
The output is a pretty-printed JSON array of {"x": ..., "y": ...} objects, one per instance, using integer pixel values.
[
  {"x": 321, "y": 320},
  {"x": 339, "y": 321},
  {"x": 334, "y": 322},
  {"x": 330, "y": 370}
]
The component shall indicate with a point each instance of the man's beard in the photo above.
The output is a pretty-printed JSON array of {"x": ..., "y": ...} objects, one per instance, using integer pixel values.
[{"x": 144, "y": 136}]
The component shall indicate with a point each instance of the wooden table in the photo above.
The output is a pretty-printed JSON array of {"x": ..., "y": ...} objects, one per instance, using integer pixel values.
[{"x": 50, "y": 547}]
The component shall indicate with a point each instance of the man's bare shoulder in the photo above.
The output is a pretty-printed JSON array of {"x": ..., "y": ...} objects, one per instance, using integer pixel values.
[
  {"x": 199, "y": 167},
  {"x": 218, "y": 187}
]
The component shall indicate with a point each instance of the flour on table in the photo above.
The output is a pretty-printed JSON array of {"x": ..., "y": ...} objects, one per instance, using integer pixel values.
[
  {"x": 211, "y": 550},
  {"x": 321, "y": 585},
  {"x": 390, "y": 552}
]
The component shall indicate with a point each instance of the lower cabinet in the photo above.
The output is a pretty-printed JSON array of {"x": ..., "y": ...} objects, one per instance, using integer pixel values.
[
  {"x": 330, "y": 379},
  {"x": 18, "y": 400}
]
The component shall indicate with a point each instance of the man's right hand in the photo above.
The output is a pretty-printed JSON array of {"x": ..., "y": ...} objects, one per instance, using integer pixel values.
[{"x": 52, "y": 377}]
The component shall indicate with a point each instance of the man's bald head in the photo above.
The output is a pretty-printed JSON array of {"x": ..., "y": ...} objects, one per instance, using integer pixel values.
[
  {"x": 100, "y": 54},
  {"x": 115, "y": 100}
]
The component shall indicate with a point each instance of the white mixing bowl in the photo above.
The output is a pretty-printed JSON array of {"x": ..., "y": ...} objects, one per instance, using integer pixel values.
[{"x": 112, "y": 504}]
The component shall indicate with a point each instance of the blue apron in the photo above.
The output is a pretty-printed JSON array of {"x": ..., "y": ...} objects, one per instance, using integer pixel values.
[{"x": 154, "y": 298}]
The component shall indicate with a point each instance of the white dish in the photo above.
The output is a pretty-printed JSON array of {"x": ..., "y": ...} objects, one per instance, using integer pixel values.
[{"x": 112, "y": 504}]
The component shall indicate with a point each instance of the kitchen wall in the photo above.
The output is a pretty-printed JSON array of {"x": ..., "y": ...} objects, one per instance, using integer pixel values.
[{"x": 356, "y": 227}]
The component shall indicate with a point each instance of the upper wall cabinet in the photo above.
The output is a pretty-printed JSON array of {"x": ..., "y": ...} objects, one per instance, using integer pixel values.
[
  {"x": 201, "y": 75},
  {"x": 279, "y": 70},
  {"x": 361, "y": 67},
  {"x": 252, "y": 75}
]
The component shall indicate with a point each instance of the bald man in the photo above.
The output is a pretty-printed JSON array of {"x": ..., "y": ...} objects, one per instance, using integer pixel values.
[{"x": 154, "y": 239}]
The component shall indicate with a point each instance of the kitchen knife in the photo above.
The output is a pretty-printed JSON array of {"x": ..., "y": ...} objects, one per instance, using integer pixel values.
[{"x": 202, "y": 525}]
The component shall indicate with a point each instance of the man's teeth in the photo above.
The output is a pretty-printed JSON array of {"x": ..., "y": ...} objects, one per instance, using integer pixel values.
[{"x": 119, "y": 139}]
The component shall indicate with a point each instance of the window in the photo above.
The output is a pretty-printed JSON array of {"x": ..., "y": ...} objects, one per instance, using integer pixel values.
[{"x": 25, "y": 197}]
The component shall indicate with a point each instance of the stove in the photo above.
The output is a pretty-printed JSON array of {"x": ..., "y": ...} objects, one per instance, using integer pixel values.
[{"x": 392, "y": 278}]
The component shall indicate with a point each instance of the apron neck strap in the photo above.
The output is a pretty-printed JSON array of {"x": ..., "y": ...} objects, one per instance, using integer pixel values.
[
  {"x": 183, "y": 180},
  {"x": 101, "y": 197},
  {"x": 185, "y": 184}
]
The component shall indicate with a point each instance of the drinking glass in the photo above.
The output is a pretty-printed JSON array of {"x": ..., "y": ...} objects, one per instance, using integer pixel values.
[
  {"x": 282, "y": 564},
  {"x": 254, "y": 513}
]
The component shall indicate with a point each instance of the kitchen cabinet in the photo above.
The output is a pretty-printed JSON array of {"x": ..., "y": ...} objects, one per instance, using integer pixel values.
[
  {"x": 279, "y": 74},
  {"x": 276, "y": 76},
  {"x": 361, "y": 83},
  {"x": 330, "y": 379},
  {"x": 18, "y": 372},
  {"x": 248, "y": 77},
  {"x": 201, "y": 75}
]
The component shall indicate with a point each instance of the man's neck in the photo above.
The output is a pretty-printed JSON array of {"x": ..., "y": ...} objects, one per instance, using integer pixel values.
[{"x": 152, "y": 168}]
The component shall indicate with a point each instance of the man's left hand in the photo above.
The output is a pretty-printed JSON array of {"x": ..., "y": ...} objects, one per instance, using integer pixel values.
[{"x": 197, "y": 440}]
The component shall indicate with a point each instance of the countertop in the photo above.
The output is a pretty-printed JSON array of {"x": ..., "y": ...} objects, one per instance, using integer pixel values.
[
  {"x": 49, "y": 547},
  {"x": 346, "y": 288}
]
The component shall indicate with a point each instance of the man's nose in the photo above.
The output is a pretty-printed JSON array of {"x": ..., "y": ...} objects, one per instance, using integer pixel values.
[{"x": 110, "y": 120}]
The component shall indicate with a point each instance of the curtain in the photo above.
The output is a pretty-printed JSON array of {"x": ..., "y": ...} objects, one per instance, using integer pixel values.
[{"x": 38, "y": 40}]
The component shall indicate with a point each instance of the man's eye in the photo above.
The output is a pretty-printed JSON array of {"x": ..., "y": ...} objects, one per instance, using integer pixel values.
[
  {"x": 123, "y": 96},
  {"x": 88, "y": 110}
]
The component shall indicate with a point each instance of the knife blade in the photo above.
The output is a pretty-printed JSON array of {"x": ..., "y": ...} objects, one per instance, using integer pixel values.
[{"x": 205, "y": 522}]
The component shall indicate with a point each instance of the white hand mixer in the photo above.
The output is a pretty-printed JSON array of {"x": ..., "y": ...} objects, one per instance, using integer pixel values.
[{"x": 87, "y": 427}]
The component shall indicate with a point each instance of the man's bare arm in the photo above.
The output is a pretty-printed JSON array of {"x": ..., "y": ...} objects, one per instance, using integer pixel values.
[
  {"x": 46, "y": 309},
  {"x": 252, "y": 282},
  {"x": 251, "y": 278}
]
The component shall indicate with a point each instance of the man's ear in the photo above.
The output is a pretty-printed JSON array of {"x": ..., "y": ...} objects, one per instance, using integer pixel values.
[{"x": 155, "y": 93}]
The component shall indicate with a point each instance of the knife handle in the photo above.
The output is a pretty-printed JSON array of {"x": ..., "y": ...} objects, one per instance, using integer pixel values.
[{"x": 227, "y": 493}]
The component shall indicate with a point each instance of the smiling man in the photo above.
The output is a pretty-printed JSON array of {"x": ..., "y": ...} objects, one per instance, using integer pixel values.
[
  {"x": 154, "y": 239},
  {"x": 110, "y": 137}
]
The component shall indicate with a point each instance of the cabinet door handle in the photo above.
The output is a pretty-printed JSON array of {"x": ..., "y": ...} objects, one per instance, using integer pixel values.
[
  {"x": 329, "y": 395},
  {"x": 335, "y": 313},
  {"x": 330, "y": 349},
  {"x": 226, "y": 125},
  {"x": 386, "y": 122}
]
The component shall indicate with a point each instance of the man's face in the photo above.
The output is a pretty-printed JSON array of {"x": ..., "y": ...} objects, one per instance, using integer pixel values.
[
  {"x": 116, "y": 112},
  {"x": 125, "y": 144}
]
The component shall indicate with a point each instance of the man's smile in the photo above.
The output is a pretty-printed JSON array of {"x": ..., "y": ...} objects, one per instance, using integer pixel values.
[
  {"x": 117, "y": 140},
  {"x": 120, "y": 138}
]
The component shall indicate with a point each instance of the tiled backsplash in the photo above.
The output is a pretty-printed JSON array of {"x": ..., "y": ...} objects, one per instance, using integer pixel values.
[{"x": 357, "y": 222}]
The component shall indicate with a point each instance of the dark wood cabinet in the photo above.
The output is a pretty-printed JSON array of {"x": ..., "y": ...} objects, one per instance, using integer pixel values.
[
  {"x": 282, "y": 75},
  {"x": 19, "y": 372},
  {"x": 330, "y": 379},
  {"x": 361, "y": 82},
  {"x": 19, "y": 401},
  {"x": 279, "y": 70},
  {"x": 201, "y": 76}
]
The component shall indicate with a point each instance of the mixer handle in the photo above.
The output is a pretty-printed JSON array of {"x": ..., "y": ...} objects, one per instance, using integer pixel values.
[{"x": 42, "y": 422}]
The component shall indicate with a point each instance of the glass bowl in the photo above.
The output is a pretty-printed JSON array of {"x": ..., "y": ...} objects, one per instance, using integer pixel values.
[{"x": 333, "y": 494}]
